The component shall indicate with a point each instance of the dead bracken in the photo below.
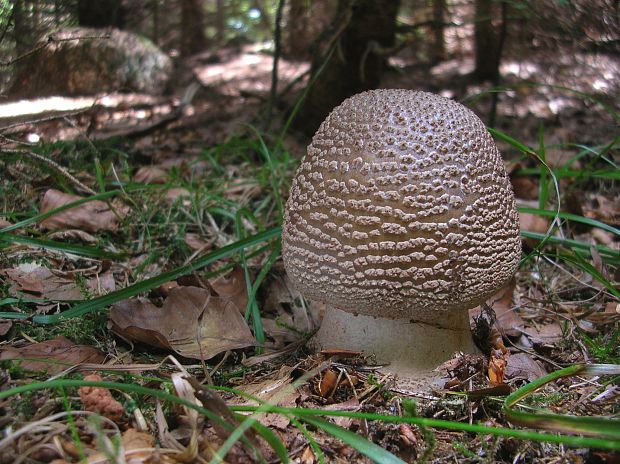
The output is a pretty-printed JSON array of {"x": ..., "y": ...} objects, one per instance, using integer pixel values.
[{"x": 401, "y": 217}]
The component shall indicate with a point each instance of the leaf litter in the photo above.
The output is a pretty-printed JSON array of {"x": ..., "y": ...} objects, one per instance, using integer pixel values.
[
  {"x": 191, "y": 322},
  {"x": 92, "y": 216},
  {"x": 539, "y": 321}
]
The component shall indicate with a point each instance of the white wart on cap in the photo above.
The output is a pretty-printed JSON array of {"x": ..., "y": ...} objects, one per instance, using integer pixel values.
[{"x": 401, "y": 209}]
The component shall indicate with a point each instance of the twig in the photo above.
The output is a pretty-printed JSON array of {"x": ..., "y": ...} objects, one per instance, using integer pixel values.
[
  {"x": 498, "y": 60},
  {"x": 8, "y": 23},
  {"x": 175, "y": 114},
  {"x": 54, "y": 165},
  {"x": 277, "y": 38},
  {"x": 50, "y": 40}
]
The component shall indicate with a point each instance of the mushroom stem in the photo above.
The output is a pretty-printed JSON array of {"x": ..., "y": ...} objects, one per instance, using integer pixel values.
[{"x": 412, "y": 349}]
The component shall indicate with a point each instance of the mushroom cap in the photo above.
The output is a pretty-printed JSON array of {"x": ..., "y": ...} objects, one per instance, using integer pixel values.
[{"x": 401, "y": 208}]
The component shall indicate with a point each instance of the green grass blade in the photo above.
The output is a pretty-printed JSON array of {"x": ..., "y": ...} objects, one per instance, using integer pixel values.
[
  {"x": 543, "y": 183},
  {"x": 63, "y": 247},
  {"x": 274, "y": 178},
  {"x": 359, "y": 443},
  {"x": 272, "y": 440},
  {"x": 570, "y": 217},
  {"x": 580, "y": 263},
  {"x": 513, "y": 142},
  {"x": 600, "y": 427},
  {"x": 101, "y": 302},
  {"x": 130, "y": 388},
  {"x": 42, "y": 216},
  {"x": 561, "y": 173},
  {"x": 570, "y": 440},
  {"x": 608, "y": 254}
]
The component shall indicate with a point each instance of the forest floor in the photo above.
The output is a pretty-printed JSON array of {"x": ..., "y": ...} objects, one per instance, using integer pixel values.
[{"x": 166, "y": 302}]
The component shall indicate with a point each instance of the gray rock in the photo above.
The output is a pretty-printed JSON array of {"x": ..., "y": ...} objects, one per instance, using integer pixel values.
[{"x": 83, "y": 61}]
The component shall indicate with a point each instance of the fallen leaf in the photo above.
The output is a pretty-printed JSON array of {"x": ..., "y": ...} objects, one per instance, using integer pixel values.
[
  {"x": 507, "y": 320},
  {"x": 212, "y": 401},
  {"x": 521, "y": 365},
  {"x": 544, "y": 333},
  {"x": 4, "y": 223},
  {"x": 533, "y": 222},
  {"x": 177, "y": 192},
  {"x": 604, "y": 209},
  {"x": 73, "y": 234},
  {"x": 197, "y": 243},
  {"x": 285, "y": 305},
  {"x": 41, "y": 281},
  {"x": 151, "y": 175},
  {"x": 327, "y": 384},
  {"x": 61, "y": 351},
  {"x": 497, "y": 366},
  {"x": 100, "y": 400},
  {"x": 352, "y": 404},
  {"x": 5, "y": 326},
  {"x": 138, "y": 447},
  {"x": 91, "y": 217},
  {"x": 307, "y": 456},
  {"x": 406, "y": 435},
  {"x": 276, "y": 390},
  {"x": 524, "y": 187},
  {"x": 339, "y": 353},
  {"x": 232, "y": 287},
  {"x": 102, "y": 283},
  {"x": 190, "y": 322}
]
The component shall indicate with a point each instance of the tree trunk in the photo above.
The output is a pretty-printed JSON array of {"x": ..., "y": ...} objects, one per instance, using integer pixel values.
[
  {"x": 264, "y": 19},
  {"x": 220, "y": 22},
  {"x": 349, "y": 63},
  {"x": 305, "y": 21},
  {"x": 156, "y": 25},
  {"x": 439, "y": 45},
  {"x": 297, "y": 43},
  {"x": 193, "y": 38},
  {"x": 485, "y": 42},
  {"x": 23, "y": 34},
  {"x": 101, "y": 13}
]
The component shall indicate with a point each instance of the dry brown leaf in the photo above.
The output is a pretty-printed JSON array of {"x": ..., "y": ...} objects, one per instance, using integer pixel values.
[
  {"x": 73, "y": 234},
  {"x": 43, "y": 282},
  {"x": 533, "y": 223},
  {"x": 327, "y": 384},
  {"x": 285, "y": 304},
  {"x": 612, "y": 307},
  {"x": 524, "y": 187},
  {"x": 102, "y": 283},
  {"x": 196, "y": 242},
  {"x": 521, "y": 365},
  {"x": 232, "y": 287},
  {"x": 177, "y": 192},
  {"x": 508, "y": 321},
  {"x": 497, "y": 366},
  {"x": 407, "y": 436},
  {"x": 604, "y": 209},
  {"x": 544, "y": 333},
  {"x": 61, "y": 351},
  {"x": 139, "y": 447},
  {"x": 5, "y": 326},
  {"x": 100, "y": 400},
  {"x": 307, "y": 457},
  {"x": 274, "y": 389},
  {"x": 191, "y": 322},
  {"x": 4, "y": 223},
  {"x": 151, "y": 175},
  {"x": 91, "y": 217}
]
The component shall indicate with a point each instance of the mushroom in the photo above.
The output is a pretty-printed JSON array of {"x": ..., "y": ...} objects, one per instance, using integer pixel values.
[{"x": 401, "y": 218}]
